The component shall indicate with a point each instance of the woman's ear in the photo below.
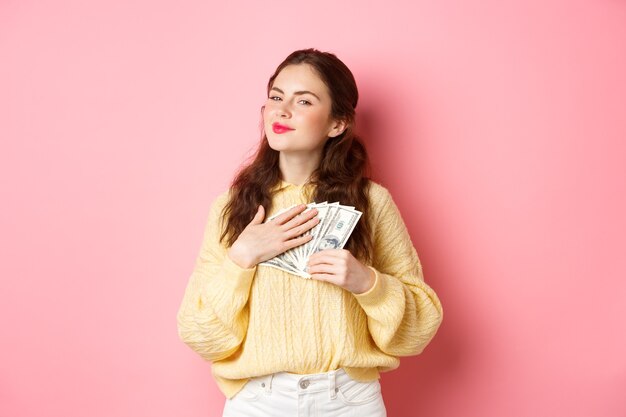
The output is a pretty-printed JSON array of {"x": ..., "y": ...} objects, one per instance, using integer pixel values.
[{"x": 338, "y": 127}]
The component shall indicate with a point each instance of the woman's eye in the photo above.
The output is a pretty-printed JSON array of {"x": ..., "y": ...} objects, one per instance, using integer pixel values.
[
  {"x": 274, "y": 98},
  {"x": 308, "y": 103}
]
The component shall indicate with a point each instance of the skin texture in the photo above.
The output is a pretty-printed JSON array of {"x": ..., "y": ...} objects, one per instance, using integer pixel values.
[
  {"x": 309, "y": 115},
  {"x": 300, "y": 100}
]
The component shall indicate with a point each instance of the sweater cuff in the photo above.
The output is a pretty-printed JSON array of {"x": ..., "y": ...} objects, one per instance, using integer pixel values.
[
  {"x": 235, "y": 278},
  {"x": 386, "y": 291},
  {"x": 374, "y": 295}
]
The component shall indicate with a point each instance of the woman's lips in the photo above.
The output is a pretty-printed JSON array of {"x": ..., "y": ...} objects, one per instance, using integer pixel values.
[{"x": 278, "y": 128}]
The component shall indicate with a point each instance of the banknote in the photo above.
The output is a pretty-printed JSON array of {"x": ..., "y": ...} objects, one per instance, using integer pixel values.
[{"x": 337, "y": 222}]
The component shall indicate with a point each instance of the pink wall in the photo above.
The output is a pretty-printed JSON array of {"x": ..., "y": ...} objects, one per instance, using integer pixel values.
[{"x": 499, "y": 127}]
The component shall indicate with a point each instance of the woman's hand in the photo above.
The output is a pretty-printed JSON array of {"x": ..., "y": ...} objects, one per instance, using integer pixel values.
[
  {"x": 260, "y": 241},
  {"x": 339, "y": 267}
]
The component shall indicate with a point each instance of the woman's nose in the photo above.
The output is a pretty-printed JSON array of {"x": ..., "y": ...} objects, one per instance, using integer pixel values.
[{"x": 283, "y": 110}]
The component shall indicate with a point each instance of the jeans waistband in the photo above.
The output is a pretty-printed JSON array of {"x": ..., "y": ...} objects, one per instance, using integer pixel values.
[{"x": 286, "y": 381}]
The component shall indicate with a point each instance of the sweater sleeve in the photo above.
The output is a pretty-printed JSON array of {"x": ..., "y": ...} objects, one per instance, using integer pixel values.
[
  {"x": 403, "y": 312},
  {"x": 213, "y": 316}
]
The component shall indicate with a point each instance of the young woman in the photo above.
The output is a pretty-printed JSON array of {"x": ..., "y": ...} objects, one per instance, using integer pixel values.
[{"x": 282, "y": 345}]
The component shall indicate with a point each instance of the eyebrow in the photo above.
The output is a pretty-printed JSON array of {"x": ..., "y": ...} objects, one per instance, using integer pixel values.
[{"x": 298, "y": 92}]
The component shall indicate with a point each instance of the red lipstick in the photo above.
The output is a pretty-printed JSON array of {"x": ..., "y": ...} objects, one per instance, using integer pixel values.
[{"x": 278, "y": 128}]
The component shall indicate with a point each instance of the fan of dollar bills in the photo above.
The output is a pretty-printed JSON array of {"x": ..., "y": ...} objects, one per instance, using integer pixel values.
[{"x": 332, "y": 232}]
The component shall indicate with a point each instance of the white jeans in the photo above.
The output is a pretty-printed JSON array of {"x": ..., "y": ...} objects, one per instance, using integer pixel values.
[{"x": 285, "y": 394}]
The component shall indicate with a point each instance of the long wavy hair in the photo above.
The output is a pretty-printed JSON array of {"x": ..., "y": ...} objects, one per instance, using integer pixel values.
[{"x": 342, "y": 174}]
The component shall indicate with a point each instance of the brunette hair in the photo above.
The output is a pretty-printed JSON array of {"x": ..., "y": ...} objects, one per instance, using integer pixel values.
[{"x": 342, "y": 172}]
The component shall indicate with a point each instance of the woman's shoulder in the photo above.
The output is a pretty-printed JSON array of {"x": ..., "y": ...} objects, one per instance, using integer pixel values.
[
  {"x": 220, "y": 200},
  {"x": 382, "y": 207},
  {"x": 378, "y": 194}
]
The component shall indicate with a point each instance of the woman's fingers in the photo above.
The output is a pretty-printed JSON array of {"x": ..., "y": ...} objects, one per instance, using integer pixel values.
[
  {"x": 322, "y": 260},
  {"x": 329, "y": 256},
  {"x": 330, "y": 269},
  {"x": 324, "y": 277},
  {"x": 292, "y": 243},
  {"x": 300, "y": 219},
  {"x": 297, "y": 224},
  {"x": 297, "y": 231},
  {"x": 289, "y": 214}
]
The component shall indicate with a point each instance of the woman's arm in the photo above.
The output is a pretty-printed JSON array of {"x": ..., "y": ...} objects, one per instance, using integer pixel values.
[
  {"x": 212, "y": 319},
  {"x": 403, "y": 312}
]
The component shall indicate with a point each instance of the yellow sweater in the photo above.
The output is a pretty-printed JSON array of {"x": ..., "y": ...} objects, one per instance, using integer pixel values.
[{"x": 257, "y": 321}]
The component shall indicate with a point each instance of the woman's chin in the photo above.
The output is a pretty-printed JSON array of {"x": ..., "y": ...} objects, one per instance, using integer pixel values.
[{"x": 278, "y": 145}]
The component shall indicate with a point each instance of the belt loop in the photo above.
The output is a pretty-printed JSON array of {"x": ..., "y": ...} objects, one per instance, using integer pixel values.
[
  {"x": 269, "y": 384},
  {"x": 332, "y": 384}
]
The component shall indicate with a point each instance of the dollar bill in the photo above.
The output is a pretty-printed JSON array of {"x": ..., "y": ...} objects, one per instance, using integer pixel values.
[{"x": 337, "y": 222}]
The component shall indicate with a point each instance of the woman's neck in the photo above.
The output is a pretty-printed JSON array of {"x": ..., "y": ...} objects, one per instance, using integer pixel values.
[{"x": 297, "y": 168}]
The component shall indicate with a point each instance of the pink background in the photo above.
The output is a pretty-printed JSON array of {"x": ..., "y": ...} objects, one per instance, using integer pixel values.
[{"x": 499, "y": 128}]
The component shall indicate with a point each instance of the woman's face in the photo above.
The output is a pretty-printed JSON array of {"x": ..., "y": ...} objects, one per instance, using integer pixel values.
[{"x": 297, "y": 116}]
